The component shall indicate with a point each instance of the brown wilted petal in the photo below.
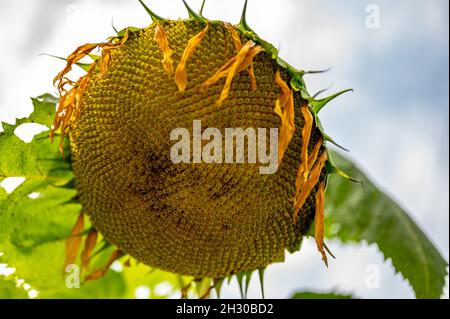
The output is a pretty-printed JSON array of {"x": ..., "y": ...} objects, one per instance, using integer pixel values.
[
  {"x": 89, "y": 245},
  {"x": 315, "y": 153},
  {"x": 307, "y": 187},
  {"x": 284, "y": 108},
  {"x": 180, "y": 73},
  {"x": 99, "y": 273},
  {"x": 76, "y": 56},
  {"x": 163, "y": 43},
  {"x": 319, "y": 221},
  {"x": 306, "y": 135},
  {"x": 73, "y": 243},
  {"x": 235, "y": 65},
  {"x": 238, "y": 46}
]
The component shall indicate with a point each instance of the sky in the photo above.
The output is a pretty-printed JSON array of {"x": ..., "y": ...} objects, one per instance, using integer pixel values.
[{"x": 394, "y": 54}]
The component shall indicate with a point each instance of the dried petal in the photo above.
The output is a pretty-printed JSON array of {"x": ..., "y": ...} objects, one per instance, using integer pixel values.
[
  {"x": 73, "y": 243},
  {"x": 99, "y": 273},
  {"x": 70, "y": 101},
  {"x": 319, "y": 221},
  {"x": 89, "y": 245},
  {"x": 180, "y": 73},
  {"x": 315, "y": 153},
  {"x": 238, "y": 45},
  {"x": 240, "y": 57},
  {"x": 306, "y": 135},
  {"x": 163, "y": 43},
  {"x": 308, "y": 186},
  {"x": 76, "y": 56},
  {"x": 284, "y": 108},
  {"x": 235, "y": 65},
  {"x": 311, "y": 161},
  {"x": 106, "y": 52},
  {"x": 236, "y": 39}
]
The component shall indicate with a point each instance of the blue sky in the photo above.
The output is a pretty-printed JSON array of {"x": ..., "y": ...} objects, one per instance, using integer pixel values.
[{"x": 395, "y": 122}]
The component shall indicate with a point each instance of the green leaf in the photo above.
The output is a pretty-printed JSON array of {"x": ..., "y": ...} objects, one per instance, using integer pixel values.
[
  {"x": 33, "y": 230},
  {"x": 320, "y": 295},
  {"x": 111, "y": 286},
  {"x": 9, "y": 289},
  {"x": 138, "y": 275},
  {"x": 356, "y": 214}
]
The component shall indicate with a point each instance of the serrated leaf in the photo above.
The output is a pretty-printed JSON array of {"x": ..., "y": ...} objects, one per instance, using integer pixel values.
[
  {"x": 370, "y": 215},
  {"x": 319, "y": 295},
  {"x": 33, "y": 230}
]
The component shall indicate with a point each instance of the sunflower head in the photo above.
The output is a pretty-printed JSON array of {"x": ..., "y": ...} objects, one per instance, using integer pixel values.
[{"x": 193, "y": 218}]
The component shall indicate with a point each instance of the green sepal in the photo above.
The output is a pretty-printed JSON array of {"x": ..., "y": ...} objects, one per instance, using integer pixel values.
[
  {"x": 94, "y": 57},
  {"x": 202, "y": 7},
  {"x": 192, "y": 14},
  {"x": 298, "y": 84},
  {"x": 240, "y": 280},
  {"x": 104, "y": 245},
  {"x": 218, "y": 286},
  {"x": 320, "y": 92},
  {"x": 202, "y": 286},
  {"x": 317, "y": 105},
  {"x": 153, "y": 16},
  {"x": 333, "y": 169},
  {"x": 317, "y": 71},
  {"x": 122, "y": 33},
  {"x": 325, "y": 136},
  {"x": 243, "y": 23},
  {"x": 261, "y": 280},
  {"x": 84, "y": 66},
  {"x": 248, "y": 277},
  {"x": 114, "y": 28},
  {"x": 244, "y": 279}
]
